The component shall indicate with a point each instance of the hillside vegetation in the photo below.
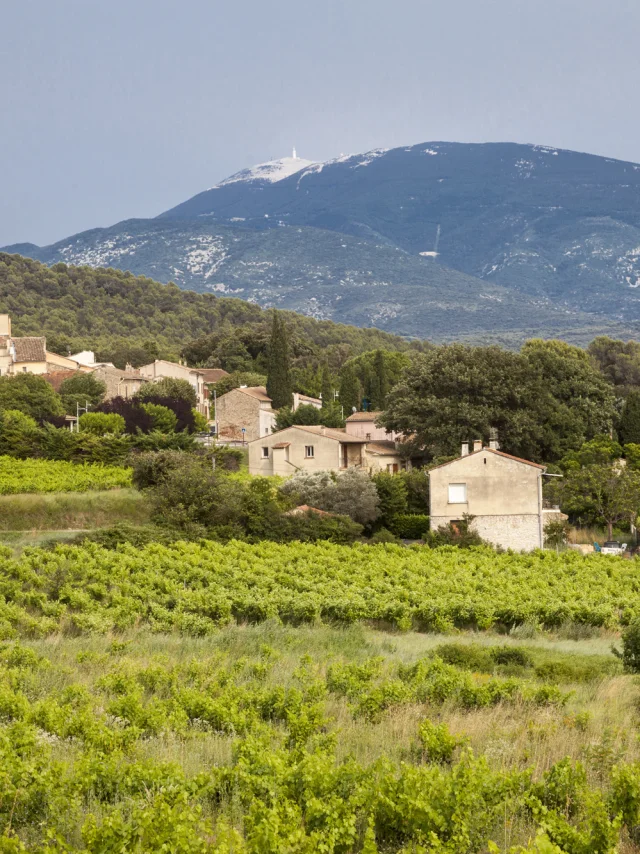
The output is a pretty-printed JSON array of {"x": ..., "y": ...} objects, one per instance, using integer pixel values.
[{"x": 116, "y": 313}]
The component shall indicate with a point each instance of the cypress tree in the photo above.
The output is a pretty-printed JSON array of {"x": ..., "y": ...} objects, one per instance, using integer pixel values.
[
  {"x": 279, "y": 385},
  {"x": 350, "y": 392},
  {"x": 382, "y": 381},
  {"x": 629, "y": 430},
  {"x": 327, "y": 387}
]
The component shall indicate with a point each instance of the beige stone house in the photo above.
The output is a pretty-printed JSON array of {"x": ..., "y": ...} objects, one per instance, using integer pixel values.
[
  {"x": 29, "y": 354},
  {"x": 244, "y": 414},
  {"x": 162, "y": 369},
  {"x": 363, "y": 424},
  {"x": 502, "y": 493},
  {"x": 119, "y": 383},
  {"x": 302, "y": 448}
]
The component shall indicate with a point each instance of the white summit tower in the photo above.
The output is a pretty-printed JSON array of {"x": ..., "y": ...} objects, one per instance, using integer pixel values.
[{"x": 294, "y": 155}]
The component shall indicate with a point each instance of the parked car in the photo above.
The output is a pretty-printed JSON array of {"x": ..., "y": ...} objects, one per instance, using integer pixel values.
[{"x": 611, "y": 547}]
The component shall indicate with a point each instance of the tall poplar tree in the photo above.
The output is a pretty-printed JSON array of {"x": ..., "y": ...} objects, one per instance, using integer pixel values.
[{"x": 279, "y": 385}]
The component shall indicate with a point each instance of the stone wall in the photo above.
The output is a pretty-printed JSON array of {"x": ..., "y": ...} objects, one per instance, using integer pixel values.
[
  {"x": 518, "y": 532},
  {"x": 235, "y": 410}
]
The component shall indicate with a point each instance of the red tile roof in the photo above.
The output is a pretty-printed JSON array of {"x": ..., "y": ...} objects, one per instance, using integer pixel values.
[
  {"x": 212, "y": 375},
  {"x": 259, "y": 392},
  {"x": 365, "y": 416},
  {"x": 30, "y": 349},
  {"x": 491, "y": 451}
]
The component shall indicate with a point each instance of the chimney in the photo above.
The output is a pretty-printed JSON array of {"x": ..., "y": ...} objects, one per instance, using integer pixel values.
[
  {"x": 128, "y": 368},
  {"x": 465, "y": 449},
  {"x": 5, "y": 325},
  {"x": 477, "y": 445},
  {"x": 493, "y": 439}
]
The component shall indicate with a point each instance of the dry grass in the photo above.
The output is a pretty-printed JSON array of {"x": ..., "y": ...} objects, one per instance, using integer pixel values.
[{"x": 72, "y": 510}]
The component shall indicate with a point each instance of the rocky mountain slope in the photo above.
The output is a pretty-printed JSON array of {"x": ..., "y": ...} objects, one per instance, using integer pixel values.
[{"x": 438, "y": 240}]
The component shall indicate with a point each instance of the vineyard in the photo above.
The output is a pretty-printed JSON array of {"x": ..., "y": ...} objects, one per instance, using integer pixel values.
[
  {"x": 237, "y": 699},
  {"x": 41, "y": 476},
  {"x": 195, "y": 588}
]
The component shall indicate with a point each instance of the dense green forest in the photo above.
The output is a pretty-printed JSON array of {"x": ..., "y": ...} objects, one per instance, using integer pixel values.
[{"x": 132, "y": 318}]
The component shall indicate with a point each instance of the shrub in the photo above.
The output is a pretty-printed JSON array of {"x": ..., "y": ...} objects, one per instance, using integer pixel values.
[
  {"x": 350, "y": 494},
  {"x": 384, "y": 536},
  {"x": 410, "y": 526},
  {"x": 81, "y": 388},
  {"x": 438, "y": 745},
  {"x": 100, "y": 423},
  {"x": 135, "y": 535},
  {"x": 163, "y": 419},
  {"x": 631, "y": 647},
  {"x": 392, "y": 492},
  {"x": 455, "y": 534},
  {"x": 151, "y": 468},
  {"x": 30, "y": 394},
  {"x": 168, "y": 387}
]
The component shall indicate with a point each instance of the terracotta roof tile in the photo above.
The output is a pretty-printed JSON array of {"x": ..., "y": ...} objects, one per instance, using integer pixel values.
[
  {"x": 259, "y": 392},
  {"x": 212, "y": 375},
  {"x": 387, "y": 449},
  {"x": 30, "y": 349},
  {"x": 365, "y": 416}
]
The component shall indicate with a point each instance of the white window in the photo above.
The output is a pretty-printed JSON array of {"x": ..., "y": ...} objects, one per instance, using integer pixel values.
[
  {"x": 308, "y": 451},
  {"x": 457, "y": 493},
  {"x": 265, "y": 452}
]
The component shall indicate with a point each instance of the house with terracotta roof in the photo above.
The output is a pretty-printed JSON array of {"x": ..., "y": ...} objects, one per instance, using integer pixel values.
[
  {"x": 29, "y": 354},
  {"x": 502, "y": 493},
  {"x": 244, "y": 414},
  {"x": 316, "y": 448}
]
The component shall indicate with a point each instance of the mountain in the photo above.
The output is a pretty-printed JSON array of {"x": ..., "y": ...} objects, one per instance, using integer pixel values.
[{"x": 441, "y": 240}]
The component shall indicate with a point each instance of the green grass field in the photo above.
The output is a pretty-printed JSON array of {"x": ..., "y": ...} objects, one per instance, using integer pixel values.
[{"x": 72, "y": 511}]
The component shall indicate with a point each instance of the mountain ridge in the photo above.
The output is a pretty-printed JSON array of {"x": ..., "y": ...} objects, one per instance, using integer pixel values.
[{"x": 439, "y": 240}]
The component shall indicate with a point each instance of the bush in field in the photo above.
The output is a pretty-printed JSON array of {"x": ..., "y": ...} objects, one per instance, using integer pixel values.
[
  {"x": 162, "y": 418},
  {"x": 350, "y": 494},
  {"x": 101, "y": 423},
  {"x": 409, "y": 526},
  {"x": 631, "y": 646},
  {"x": 392, "y": 493},
  {"x": 455, "y": 534}
]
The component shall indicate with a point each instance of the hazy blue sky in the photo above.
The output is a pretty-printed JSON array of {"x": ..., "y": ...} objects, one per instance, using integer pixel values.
[{"x": 124, "y": 108}]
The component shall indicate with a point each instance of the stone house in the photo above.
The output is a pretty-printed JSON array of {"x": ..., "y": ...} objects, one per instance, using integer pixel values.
[
  {"x": 244, "y": 414},
  {"x": 503, "y": 493},
  {"x": 119, "y": 383},
  {"x": 162, "y": 369},
  {"x": 29, "y": 354},
  {"x": 306, "y": 448},
  {"x": 363, "y": 424}
]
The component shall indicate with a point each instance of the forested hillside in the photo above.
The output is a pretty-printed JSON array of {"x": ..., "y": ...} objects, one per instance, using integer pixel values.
[{"x": 122, "y": 316}]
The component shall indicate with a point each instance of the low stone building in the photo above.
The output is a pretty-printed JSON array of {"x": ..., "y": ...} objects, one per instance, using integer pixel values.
[
  {"x": 503, "y": 493},
  {"x": 244, "y": 414},
  {"x": 305, "y": 448}
]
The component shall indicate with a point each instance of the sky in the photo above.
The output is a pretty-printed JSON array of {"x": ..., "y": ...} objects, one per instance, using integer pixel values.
[{"x": 124, "y": 109}]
